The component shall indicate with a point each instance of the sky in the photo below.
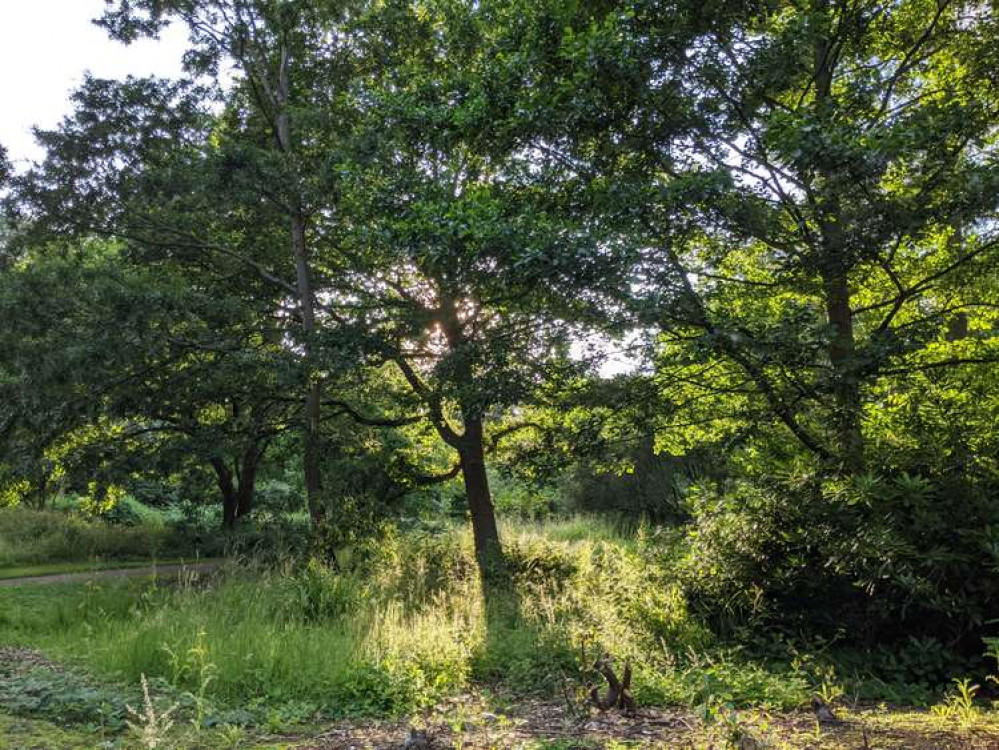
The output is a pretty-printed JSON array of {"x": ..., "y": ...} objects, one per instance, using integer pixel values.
[{"x": 45, "y": 48}]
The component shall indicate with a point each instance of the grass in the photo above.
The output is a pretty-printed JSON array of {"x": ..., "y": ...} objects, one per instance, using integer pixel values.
[
  {"x": 402, "y": 628},
  {"x": 31, "y": 537}
]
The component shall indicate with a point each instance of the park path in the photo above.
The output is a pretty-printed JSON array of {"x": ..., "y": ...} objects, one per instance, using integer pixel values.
[{"x": 172, "y": 571}]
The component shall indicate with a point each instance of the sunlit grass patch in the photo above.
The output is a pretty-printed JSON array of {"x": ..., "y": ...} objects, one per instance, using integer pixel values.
[{"x": 404, "y": 625}]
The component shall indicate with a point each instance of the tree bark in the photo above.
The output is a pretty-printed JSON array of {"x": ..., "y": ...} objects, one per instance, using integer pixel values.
[
  {"x": 314, "y": 389},
  {"x": 480, "y": 503},
  {"x": 230, "y": 501},
  {"x": 957, "y": 328},
  {"x": 237, "y": 488},
  {"x": 469, "y": 444},
  {"x": 247, "y": 481},
  {"x": 471, "y": 450},
  {"x": 834, "y": 269},
  {"x": 842, "y": 358},
  {"x": 300, "y": 252}
]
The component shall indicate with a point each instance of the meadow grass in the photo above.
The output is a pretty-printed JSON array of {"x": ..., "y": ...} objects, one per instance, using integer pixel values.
[
  {"x": 35, "y": 537},
  {"x": 403, "y": 627}
]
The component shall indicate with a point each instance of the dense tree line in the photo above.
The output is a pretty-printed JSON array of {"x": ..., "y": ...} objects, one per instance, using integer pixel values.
[{"x": 376, "y": 234}]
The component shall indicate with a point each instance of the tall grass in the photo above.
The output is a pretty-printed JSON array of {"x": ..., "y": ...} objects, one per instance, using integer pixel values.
[
  {"x": 405, "y": 624},
  {"x": 31, "y": 536}
]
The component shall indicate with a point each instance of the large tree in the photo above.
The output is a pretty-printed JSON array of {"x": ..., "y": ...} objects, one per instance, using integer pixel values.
[
  {"x": 463, "y": 265},
  {"x": 225, "y": 171},
  {"x": 293, "y": 66},
  {"x": 111, "y": 368},
  {"x": 809, "y": 192}
]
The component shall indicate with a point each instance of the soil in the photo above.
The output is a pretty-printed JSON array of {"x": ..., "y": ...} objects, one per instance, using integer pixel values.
[{"x": 170, "y": 571}]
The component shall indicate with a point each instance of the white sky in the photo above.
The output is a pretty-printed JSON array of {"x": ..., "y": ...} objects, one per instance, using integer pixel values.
[{"x": 45, "y": 47}]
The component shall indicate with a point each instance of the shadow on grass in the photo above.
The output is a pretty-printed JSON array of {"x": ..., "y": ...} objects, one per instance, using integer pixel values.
[{"x": 519, "y": 652}]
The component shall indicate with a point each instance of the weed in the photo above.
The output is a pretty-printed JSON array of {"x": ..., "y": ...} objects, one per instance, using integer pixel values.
[
  {"x": 150, "y": 727},
  {"x": 231, "y": 735},
  {"x": 194, "y": 665},
  {"x": 960, "y": 704}
]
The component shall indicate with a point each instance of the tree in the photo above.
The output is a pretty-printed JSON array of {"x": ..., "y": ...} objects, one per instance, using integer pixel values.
[
  {"x": 294, "y": 67},
  {"x": 434, "y": 282},
  {"x": 808, "y": 190},
  {"x": 111, "y": 366},
  {"x": 458, "y": 267},
  {"x": 805, "y": 196},
  {"x": 233, "y": 191}
]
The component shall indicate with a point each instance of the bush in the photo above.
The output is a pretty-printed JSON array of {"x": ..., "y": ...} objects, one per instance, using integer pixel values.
[
  {"x": 516, "y": 498},
  {"x": 275, "y": 498},
  {"x": 870, "y": 560}
]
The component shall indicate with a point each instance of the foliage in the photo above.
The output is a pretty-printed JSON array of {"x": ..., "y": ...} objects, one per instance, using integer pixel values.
[
  {"x": 756, "y": 549},
  {"x": 360, "y": 249},
  {"x": 64, "y": 696}
]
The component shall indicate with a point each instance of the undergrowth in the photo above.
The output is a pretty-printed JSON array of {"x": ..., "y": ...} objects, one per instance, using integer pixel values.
[
  {"x": 401, "y": 624},
  {"x": 30, "y": 537}
]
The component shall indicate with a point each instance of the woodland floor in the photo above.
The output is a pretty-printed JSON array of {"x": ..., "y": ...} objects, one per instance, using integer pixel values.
[
  {"x": 540, "y": 727},
  {"x": 486, "y": 720},
  {"x": 547, "y": 725}
]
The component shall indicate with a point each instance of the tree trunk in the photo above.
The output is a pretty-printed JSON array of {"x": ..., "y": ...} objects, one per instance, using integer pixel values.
[
  {"x": 471, "y": 451},
  {"x": 247, "y": 482},
  {"x": 846, "y": 387},
  {"x": 835, "y": 267},
  {"x": 957, "y": 328},
  {"x": 488, "y": 551},
  {"x": 237, "y": 488},
  {"x": 230, "y": 501},
  {"x": 300, "y": 252},
  {"x": 314, "y": 388}
]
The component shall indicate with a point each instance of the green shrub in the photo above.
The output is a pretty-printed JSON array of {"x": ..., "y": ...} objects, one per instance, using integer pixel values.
[
  {"x": 880, "y": 560},
  {"x": 515, "y": 498}
]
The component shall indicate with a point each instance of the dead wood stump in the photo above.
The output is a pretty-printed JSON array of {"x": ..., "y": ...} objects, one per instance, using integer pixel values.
[{"x": 618, "y": 694}]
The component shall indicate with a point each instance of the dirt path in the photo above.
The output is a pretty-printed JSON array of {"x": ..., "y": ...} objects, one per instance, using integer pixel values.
[{"x": 172, "y": 571}]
